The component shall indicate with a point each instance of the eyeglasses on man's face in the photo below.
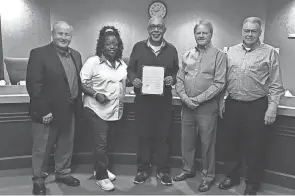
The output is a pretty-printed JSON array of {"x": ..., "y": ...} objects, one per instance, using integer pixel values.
[
  {"x": 154, "y": 27},
  {"x": 251, "y": 31}
]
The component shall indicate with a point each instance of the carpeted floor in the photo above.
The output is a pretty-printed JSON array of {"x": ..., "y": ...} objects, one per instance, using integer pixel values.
[{"x": 18, "y": 182}]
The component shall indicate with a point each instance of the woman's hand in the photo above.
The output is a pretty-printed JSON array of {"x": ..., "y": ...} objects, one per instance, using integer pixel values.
[{"x": 101, "y": 98}]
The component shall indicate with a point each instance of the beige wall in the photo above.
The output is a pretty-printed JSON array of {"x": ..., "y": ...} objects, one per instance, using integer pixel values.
[
  {"x": 31, "y": 28},
  {"x": 281, "y": 22},
  {"x": 25, "y": 24},
  {"x": 131, "y": 16}
]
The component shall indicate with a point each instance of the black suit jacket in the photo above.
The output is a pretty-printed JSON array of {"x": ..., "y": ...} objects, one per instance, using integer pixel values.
[{"x": 48, "y": 86}]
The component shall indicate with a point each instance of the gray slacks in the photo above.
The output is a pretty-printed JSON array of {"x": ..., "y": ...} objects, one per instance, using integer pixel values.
[
  {"x": 45, "y": 137},
  {"x": 200, "y": 121}
]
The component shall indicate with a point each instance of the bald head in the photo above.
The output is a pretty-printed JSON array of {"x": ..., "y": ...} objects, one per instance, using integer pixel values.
[
  {"x": 156, "y": 20},
  {"x": 156, "y": 29},
  {"x": 61, "y": 34},
  {"x": 61, "y": 24}
]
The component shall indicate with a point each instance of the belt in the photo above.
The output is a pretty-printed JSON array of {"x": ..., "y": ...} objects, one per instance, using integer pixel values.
[{"x": 242, "y": 101}]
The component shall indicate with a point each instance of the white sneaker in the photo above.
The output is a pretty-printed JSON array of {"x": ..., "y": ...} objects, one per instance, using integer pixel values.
[
  {"x": 105, "y": 184},
  {"x": 111, "y": 176}
]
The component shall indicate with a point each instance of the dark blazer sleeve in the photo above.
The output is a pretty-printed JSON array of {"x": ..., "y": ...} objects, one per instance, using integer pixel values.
[{"x": 35, "y": 84}]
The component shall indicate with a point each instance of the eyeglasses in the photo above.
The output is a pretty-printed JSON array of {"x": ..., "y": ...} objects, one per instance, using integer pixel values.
[
  {"x": 253, "y": 31},
  {"x": 154, "y": 27}
]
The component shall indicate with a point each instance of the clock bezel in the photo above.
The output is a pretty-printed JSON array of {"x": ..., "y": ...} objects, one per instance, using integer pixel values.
[{"x": 157, "y": 1}]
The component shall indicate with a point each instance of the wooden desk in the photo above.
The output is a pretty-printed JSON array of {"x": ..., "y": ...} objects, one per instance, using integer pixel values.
[{"x": 16, "y": 142}]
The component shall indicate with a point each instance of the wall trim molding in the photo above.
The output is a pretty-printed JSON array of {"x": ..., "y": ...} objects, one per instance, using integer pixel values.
[{"x": 14, "y": 117}]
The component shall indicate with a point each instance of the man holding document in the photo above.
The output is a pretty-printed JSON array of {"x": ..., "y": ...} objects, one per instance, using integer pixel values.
[{"x": 152, "y": 70}]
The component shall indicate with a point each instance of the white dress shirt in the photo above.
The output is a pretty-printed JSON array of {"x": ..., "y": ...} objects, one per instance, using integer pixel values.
[{"x": 101, "y": 76}]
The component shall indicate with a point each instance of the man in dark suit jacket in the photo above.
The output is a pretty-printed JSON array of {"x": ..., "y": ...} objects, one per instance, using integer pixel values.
[{"x": 54, "y": 87}]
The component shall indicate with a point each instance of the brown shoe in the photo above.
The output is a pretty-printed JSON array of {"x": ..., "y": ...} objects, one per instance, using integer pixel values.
[
  {"x": 251, "y": 189},
  {"x": 69, "y": 180},
  {"x": 205, "y": 185},
  {"x": 182, "y": 176},
  {"x": 228, "y": 183},
  {"x": 39, "y": 189}
]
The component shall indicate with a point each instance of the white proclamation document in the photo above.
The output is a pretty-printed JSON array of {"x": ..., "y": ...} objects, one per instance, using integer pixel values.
[{"x": 153, "y": 80}]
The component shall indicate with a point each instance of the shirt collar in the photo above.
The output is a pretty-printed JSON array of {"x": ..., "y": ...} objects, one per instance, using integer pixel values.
[
  {"x": 63, "y": 53},
  {"x": 205, "y": 48},
  {"x": 163, "y": 44},
  {"x": 253, "y": 47},
  {"x": 103, "y": 59}
]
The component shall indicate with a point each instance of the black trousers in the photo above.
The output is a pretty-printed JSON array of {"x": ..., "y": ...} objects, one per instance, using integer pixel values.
[
  {"x": 245, "y": 134},
  {"x": 101, "y": 130},
  {"x": 153, "y": 125}
]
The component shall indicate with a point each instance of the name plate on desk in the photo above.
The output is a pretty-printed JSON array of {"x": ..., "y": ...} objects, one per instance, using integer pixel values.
[{"x": 153, "y": 80}]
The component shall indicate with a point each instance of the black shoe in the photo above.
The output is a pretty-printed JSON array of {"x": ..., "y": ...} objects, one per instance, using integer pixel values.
[
  {"x": 251, "y": 189},
  {"x": 228, "y": 183},
  {"x": 164, "y": 178},
  {"x": 205, "y": 185},
  {"x": 182, "y": 176},
  {"x": 69, "y": 180},
  {"x": 140, "y": 177},
  {"x": 39, "y": 189}
]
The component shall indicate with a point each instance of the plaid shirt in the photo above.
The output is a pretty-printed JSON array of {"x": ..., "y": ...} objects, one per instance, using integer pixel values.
[
  {"x": 254, "y": 73},
  {"x": 202, "y": 75}
]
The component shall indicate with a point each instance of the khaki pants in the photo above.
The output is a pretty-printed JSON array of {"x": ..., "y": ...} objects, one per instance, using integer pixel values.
[
  {"x": 203, "y": 121},
  {"x": 44, "y": 138}
]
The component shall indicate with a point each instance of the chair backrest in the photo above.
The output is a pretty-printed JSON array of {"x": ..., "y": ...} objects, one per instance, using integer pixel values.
[{"x": 16, "y": 68}]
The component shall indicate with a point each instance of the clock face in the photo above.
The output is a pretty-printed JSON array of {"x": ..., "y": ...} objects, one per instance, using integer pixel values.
[{"x": 157, "y": 9}]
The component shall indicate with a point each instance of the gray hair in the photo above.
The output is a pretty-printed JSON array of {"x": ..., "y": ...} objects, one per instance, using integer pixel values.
[
  {"x": 205, "y": 23},
  {"x": 253, "y": 19},
  {"x": 60, "y": 23}
]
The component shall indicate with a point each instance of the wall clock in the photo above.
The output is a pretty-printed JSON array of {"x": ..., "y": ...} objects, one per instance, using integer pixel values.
[{"x": 158, "y": 8}]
